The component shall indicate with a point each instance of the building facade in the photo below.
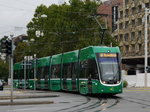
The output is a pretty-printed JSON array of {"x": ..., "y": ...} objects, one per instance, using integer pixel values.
[
  {"x": 107, "y": 8},
  {"x": 130, "y": 33}
]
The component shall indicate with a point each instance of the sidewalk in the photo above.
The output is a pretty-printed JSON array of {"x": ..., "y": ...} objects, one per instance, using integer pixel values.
[
  {"x": 137, "y": 89},
  {"x": 26, "y": 97}
]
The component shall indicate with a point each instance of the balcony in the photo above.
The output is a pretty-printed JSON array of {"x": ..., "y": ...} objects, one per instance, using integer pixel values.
[
  {"x": 132, "y": 4},
  {"x": 146, "y": 1}
]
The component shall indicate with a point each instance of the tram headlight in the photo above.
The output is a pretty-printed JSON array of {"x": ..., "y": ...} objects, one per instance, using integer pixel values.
[
  {"x": 117, "y": 82},
  {"x": 104, "y": 82}
]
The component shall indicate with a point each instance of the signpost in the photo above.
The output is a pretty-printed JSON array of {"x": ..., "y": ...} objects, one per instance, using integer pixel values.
[{"x": 11, "y": 62}]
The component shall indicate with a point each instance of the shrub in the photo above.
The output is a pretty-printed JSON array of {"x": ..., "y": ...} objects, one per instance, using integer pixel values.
[{"x": 125, "y": 83}]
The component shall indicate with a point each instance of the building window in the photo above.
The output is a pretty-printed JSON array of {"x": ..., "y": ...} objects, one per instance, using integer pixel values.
[
  {"x": 121, "y": 14},
  {"x": 121, "y": 37},
  {"x": 133, "y": 10},
  {"x": 139, "y": 34},
  {"x": 133, "y": 48},
  {"x": 133, "y": 22},
  {"x": 121, "y": 25},
  {"x": 136, "y": 48},
  {"x": 127, "y": 48},
  {"x": 140, "y": 47},
  {"x": 139, "y": 21},
  {"x": 139, "y": 8},
  {"x": 126, "y": 24},
  {"x": 126, "y": 37},
  {"x": 126, "y": 12},
  {"x": 132, "y": 35},
  {"x": 126, "y": 2},
  {"x": 147, "y": 5},
  {"x": 116, "y": 37}
]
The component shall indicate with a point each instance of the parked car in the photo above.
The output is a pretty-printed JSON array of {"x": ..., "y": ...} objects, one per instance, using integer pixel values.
[{"x": 1, "y": 85}]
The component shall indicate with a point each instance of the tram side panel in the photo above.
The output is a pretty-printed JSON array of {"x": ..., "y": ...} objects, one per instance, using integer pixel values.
[
  {"x": 69, "y": 81},
  {"x": 43, "y": 65},
  {"x": 55, "y": 73},
  {"x": 88, "y": 71},
  {"x": 100, "y": 75}
]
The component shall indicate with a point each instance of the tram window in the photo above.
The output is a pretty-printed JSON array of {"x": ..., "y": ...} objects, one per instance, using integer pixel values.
[
  {"x": 21, "y": 75},
  {"x": 28, "y": 72},
  {"x": 16, "y": 74},
  {"x": 70, "y": 70},
  {"x": 55, "y": 71},
  {"x": 67, "y": 70},
  {"x": 88, "y": 69},
  {"x": 74, "y": 70},
  {"x": 39, "y": 70},
  {"x": 31, "y": 73},
  {"x": 44, "y": 71}
]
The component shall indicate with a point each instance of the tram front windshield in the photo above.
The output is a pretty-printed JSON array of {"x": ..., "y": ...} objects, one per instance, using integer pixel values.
[{"x": 109, "y": 68}]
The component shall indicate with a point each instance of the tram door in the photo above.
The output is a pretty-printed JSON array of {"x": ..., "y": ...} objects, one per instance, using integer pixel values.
[
  {"x": 65, "y": 83},
  {"x": 89, "y": 85},
  {"x": 46, "y": 82},
  {"x": 46, "y": 71},
  {"x": 74, "y": 76},
  {"x": 38, "y": 82},
  {"x": 64, "y": 77}
]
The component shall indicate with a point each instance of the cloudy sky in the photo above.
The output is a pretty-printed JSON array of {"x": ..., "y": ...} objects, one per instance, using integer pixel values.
[{"x": 15, "y": 14}]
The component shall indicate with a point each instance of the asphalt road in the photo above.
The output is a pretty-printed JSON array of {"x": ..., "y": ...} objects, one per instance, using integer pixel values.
[{"x": 132, "y": 100}]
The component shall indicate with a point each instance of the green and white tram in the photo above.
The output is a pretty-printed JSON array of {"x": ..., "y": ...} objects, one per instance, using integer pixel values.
[{"x": 91, "y": 70}]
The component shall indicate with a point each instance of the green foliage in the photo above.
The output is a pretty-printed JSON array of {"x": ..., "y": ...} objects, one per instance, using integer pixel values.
[
  {"x": 125, "y": 83},
  {"x": 21, "y": 50},
  {"x": 3, "y": 70},
  {"x": 66, "y": 28}
]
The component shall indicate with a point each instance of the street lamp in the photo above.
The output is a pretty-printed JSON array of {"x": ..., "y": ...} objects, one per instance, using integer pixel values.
[
  {"x": 40, "y": 33},
  {"x": 147, "y": 11},
  {"x": 34, "y": 71},
  {"x": 11, "y": 67},
  {"x": 25, "y": 59}
]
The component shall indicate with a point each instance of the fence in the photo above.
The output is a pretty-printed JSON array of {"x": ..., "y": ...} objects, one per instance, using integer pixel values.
[{"x": 137, "y": 80}]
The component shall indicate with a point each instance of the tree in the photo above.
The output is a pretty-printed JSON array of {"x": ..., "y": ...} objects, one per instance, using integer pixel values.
[
  {"x": 21, "y": 50},
  {"x": 66, "y": 28},
  {"x": 3, "y": 70}
]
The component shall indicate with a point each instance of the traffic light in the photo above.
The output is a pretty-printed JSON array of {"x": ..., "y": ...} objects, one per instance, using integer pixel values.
[
  {"x": 6, "y": 47},
  {"x": 148, "y": 68}
]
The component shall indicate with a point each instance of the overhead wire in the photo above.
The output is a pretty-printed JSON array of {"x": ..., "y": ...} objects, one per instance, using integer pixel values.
[{"x": 20, "y": 9}]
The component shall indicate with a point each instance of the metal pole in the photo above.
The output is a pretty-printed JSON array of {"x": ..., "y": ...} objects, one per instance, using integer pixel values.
[
  {"x": 24, "y": 72},
  {"x": 9, "y": 70},
  {"x": 11, "y": 61},
  {"x": 146, "y": 61},
  {"x": 34, "y": 71}
]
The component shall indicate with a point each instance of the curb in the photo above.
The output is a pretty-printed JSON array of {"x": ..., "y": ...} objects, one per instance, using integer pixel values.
[
  {"x": 26, "y": 97},
  {"x": 25, "y": 103}
]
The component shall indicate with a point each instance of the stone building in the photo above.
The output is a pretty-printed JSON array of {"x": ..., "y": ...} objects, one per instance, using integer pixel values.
[
  {"x": 107, "y": 8},
  {"x": 130, "y": 33}
]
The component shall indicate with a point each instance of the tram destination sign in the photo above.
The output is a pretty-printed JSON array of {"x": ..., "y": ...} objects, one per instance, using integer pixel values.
[{"x": 107, "y": 55}]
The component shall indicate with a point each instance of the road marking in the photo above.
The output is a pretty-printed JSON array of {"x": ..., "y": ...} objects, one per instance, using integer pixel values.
[
  {"x": 137, "y": 90},
  {"x": 23, "y": 109},
  {"x": 17, "y": 92}
]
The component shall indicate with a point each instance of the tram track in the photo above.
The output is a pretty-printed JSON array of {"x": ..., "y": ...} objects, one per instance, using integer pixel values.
[
  {"x": 92, "y": 104},
  {"x": 102, "y": 104},
  {"x": 136, "y": 101},
  {"x": 90, "y": 107},
  {"x": 108, "y": 103},
  {"x": 88, "y": 99}
]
